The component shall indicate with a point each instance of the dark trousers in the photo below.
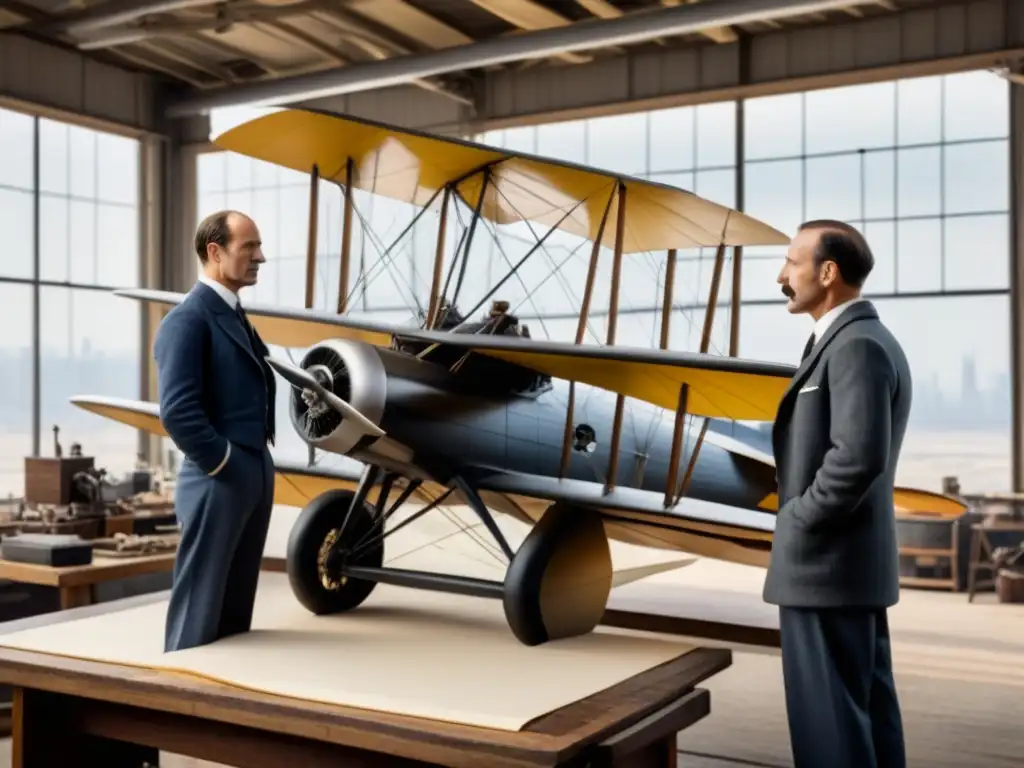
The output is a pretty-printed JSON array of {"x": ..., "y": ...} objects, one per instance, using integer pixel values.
[
  {"x": 841, "y": 698},
  {"x": 224, "y": 521}
]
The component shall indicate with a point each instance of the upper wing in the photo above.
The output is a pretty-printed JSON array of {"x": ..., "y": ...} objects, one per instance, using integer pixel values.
[
  {"x": 285, "y": 327},
  {"x": 413, "y": 167},
  {"x": 719, "y": 387}
]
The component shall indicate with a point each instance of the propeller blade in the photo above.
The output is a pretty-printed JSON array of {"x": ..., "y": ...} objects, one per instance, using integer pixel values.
[
  {"x": 301, "y": 379},
  {"x": 294, "y": 375}
]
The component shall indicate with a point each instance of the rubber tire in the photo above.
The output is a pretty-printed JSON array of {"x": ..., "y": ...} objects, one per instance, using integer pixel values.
[{"x": 322, "y": 515}]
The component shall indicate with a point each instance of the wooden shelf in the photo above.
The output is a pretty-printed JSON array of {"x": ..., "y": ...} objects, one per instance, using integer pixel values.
[{"x": 921, "y": 553}]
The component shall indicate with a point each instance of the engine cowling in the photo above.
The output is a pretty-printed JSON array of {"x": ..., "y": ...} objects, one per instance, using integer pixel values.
[{"x": 352, "y": 370}]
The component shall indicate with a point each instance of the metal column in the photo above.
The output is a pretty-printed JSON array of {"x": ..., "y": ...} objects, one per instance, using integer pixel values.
[{"x": 1017, "y": 281}]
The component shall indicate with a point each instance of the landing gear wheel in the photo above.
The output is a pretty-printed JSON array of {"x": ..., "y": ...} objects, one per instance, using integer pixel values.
[
  {"x": 315, "y": 556},
  {"x": 558, "y": 582}
]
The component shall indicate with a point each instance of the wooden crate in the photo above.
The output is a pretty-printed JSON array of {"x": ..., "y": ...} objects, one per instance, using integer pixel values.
[{"x": 48, "y": 480}]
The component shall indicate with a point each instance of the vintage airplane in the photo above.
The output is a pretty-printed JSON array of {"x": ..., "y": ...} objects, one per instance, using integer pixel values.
[{"x": 479, "y": 410}]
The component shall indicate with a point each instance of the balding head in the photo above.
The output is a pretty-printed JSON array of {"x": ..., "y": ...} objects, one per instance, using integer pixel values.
[{"x": 229, "y": 247}]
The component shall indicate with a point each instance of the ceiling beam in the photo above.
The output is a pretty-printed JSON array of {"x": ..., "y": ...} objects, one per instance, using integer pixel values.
[
  {"x": 529, "y": 15},
  {"x": 720, "y": 35},
  {"x": 410, "y": 22},
  {"x": 583, "y": 36},
  {"x": 114, "y": 12}
]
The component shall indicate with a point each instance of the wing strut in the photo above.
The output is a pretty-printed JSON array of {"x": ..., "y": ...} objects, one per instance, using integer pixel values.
[
  {"x": 314, "y": 210},
  {"x": 581, "y": 326},
  {"x": 346, "y": 237},
  {"x": 666, "y": 301},
  {"x": 435, "y": 286},
  {"x": 467, "y": 241},
  {"x": 613, "y": 320},
  {"x": 672, "y": 498}
]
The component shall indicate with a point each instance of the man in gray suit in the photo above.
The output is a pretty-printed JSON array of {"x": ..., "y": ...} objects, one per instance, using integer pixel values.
[
  {"x": 833, "y": 571},
  {"x": 217, "y": 397}
]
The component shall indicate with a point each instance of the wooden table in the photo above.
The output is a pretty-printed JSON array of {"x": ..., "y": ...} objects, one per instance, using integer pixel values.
[
  {"x": 75, "y": 582},
  {"x": 72, "y": 712}
]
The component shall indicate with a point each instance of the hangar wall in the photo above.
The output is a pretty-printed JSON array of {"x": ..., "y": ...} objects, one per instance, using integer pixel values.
[{"x": 67, "y": 85}]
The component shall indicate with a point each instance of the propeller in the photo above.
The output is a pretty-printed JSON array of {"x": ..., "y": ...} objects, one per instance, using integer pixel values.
[{"x": 303, "y": 380}]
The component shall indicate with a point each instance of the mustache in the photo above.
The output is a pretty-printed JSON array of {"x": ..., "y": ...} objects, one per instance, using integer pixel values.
[{"x": 788, "y": 292}]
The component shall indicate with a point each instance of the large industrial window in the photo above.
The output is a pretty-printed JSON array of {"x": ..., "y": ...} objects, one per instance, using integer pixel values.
[
  {"x": 69, "y": 213},
  {"x": 920, "y": 165}
]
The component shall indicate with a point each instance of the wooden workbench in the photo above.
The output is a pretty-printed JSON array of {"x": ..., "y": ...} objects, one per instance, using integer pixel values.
[
  {"x": 118, "y": 717},
  {"x": 75, "y": 582}
]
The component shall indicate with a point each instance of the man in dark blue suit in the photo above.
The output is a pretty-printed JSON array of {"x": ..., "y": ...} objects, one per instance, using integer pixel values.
[
  {"x": 217, "y": 397},
  {"x": 834, "y": 571}
]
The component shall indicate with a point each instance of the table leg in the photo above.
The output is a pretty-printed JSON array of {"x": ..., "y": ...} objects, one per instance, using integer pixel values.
[
  {"x": 75, "y": 597},
  {"x": 651, "y": 743},
  {"x": 44, "y": 736},
  {"x": 972, "y": 564},
  {"x": 659, "y": 754}
]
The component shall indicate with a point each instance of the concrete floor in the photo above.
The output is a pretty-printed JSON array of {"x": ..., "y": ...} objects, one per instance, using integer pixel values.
[{"x": 958, "y": 668}]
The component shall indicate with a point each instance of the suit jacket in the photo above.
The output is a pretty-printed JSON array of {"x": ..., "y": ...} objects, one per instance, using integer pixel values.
[
  {"x": 837, "y": 440},
  {"x": 214, "y": 387}
]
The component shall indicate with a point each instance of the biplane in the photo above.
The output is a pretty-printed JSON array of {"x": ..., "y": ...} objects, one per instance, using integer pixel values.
[{"x": 470, "y": 406}]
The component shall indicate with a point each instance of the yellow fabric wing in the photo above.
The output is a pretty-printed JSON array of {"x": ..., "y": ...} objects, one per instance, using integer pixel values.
[
  {"x": 134, "y": 413},
  {"x": 285, "y": 327},
  {"x": 293, "y": 486},
  {"x": 719, "y": 387},
  {"x": 412, "y": 167},
  {"x": 914, "y": 501},
  {"x": 292, "y": 330},
  {"x": 715, "y": 394}
]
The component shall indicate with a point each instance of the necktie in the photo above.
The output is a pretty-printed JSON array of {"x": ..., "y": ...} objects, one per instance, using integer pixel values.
[
  {"x": 246, "y": 325},
  {"x": 807, "y": 348},
  {"x": 250, "y": 332}
]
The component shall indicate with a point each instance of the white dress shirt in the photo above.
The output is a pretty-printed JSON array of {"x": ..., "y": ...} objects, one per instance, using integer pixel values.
[
  {"x": 231, "y": 298},
  {"x": 830, "y": 317},
  {"x": 223, "y": 291}
]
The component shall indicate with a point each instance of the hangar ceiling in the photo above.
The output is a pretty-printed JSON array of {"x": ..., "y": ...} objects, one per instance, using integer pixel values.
[{"x": 216, "y": 46}]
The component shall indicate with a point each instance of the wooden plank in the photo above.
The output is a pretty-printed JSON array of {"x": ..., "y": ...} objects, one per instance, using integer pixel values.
[{"x": 219, "y": 743}]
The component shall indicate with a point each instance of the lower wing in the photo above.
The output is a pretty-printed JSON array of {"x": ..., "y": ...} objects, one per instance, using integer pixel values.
[
  {"x": 756, "y": 444},
  {"x": 697, "y": 527}
]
